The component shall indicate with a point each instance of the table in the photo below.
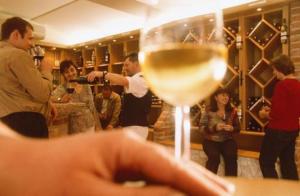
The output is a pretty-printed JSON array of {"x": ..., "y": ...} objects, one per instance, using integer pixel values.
[
  {"x": 265, "y": 187},
  {"x": 72, "y": 117}
]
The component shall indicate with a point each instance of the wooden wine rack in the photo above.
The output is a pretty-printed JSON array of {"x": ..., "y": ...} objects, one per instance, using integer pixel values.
[{"x": 249, "y": 76}]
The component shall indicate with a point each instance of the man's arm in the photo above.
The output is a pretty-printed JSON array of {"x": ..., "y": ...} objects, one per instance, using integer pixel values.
[
  {"x": 115, "y": 79},
  {"x": 37, "y": 84}
]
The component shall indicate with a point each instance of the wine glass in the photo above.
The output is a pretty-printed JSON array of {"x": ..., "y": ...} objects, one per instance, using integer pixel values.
[
  {"x": 70, "y": 87},
  {"x": 183, "y": 58}
]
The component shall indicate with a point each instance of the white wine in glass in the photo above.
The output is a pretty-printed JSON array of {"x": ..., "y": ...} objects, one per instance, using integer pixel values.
[{"x": 183, "y": 72}]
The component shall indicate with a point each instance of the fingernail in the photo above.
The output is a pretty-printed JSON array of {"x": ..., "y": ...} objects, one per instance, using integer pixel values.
[{"x": 230, "y": 188}]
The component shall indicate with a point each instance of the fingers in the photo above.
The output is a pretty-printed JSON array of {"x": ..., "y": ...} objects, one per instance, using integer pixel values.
[
  {"x": 228, "y": 187},
  {"x": 91, "y": 76},
  {"x": 91, "y": 185},
  {"x": 159, "y": 166}
]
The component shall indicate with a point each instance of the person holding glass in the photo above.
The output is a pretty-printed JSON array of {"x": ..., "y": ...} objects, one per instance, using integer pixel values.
[
  {"x": 25, "y": 89},
  {"x": 84, "y": 119},
  {"x": 218, "y": 124},
  {"x": 283, "y": 127}
]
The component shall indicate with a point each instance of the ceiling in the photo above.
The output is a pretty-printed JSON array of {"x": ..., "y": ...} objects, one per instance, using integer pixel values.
[{"x": 70, "y": 22}]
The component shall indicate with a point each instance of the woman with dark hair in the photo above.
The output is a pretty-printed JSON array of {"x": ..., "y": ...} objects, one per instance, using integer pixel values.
[
  {"x": 218, "y": 124},
  {"x": 85, "y": 119},
  {"x": 283, "y": 126}
]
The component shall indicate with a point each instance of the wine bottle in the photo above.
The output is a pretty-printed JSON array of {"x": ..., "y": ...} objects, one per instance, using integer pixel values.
[
  {"x": 93, "y": 57},
  {"x": 283, "y": 32},
  {"x": 233, "y": 31},
  {"x": 106, "y": 57},
  {"x": 80, "y": 61},
  {"x": 238, "y": 39},
  {"x": 84, "y": 80}
]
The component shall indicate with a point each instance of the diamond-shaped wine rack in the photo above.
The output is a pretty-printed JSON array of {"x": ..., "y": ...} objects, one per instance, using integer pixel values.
[
  {"x": 263, "y": 44},
  {"x": 250, "y": 73},
  {"x": 231, "y": 79}
]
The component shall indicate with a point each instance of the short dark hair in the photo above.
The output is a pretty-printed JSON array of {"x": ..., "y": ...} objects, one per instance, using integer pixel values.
[
  {"x": 66, "y": 64},
  {"x": 12, "y": 24},
  {"x": 133, "y": 57},
  {"x": 213, "y": 102},
  {"x": 283, "y": 64}
]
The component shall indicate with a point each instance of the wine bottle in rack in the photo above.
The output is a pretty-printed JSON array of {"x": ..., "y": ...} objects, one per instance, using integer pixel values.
[
  {"x": 238, "y": 39},
  {"x": 263, "y": 102},
  {"x": 283, "y": 32},
  {"x": 259, "y": 41},
  {"x": 229, "y": 40},
  {"x": 236, "y": 67},
  {"x": 233, "y": 31},
  {"x": 275, "y": 23},
  {"x": 81, "y": 61},
  {"x": 93, "y": 57},
  {"x": 106, "y": 57}
]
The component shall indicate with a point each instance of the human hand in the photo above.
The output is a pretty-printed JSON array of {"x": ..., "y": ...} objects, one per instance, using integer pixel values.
[
  {"x": 53, "y": 112},
  {"x": 83, "y": 165},
  {"x": 264, "y": 112},
  {"x": 102, "y": 116},
  {"x": 220, "y": 126},
  {"x": 109, "y": 127},
  {"x": 94, "y": 74},
  {"x": 266, "y": 108},
  {"x": 65, "y": 98},
  {"x": 228, "y": 127}
]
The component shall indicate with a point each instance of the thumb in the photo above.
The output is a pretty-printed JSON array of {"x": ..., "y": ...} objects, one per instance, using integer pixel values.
[
  {"x": 140, "y": 189},
  {"x": 96, "y": 186}
]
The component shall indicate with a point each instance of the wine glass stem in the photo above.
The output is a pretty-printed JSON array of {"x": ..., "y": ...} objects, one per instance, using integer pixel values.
[{"x": 182, "y": 132}]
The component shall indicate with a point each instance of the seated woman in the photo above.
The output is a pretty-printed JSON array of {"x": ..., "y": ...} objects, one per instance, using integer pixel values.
[
  {"x": 84, "y": 119},
  {"x": 218, "y": 124}
]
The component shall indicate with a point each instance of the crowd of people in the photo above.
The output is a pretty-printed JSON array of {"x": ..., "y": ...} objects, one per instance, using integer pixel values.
[{"x": 26, "y": 102}]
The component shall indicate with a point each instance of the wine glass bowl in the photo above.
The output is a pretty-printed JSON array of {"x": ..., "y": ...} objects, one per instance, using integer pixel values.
[
  {"x": 184, "y": 60},
  {"x": 70, "y": 88}
]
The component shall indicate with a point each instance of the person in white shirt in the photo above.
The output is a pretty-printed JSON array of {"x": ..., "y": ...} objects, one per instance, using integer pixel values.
[{"x": 137, "y": 98}]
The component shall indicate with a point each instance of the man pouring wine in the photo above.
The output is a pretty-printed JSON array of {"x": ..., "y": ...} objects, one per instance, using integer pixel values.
[{"x": 137, "y": 98}]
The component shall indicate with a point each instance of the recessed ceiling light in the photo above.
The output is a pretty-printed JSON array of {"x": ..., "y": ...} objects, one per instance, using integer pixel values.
[
  {"x": 131, "y": 37},
  {"x": 259, "y": 9}
]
